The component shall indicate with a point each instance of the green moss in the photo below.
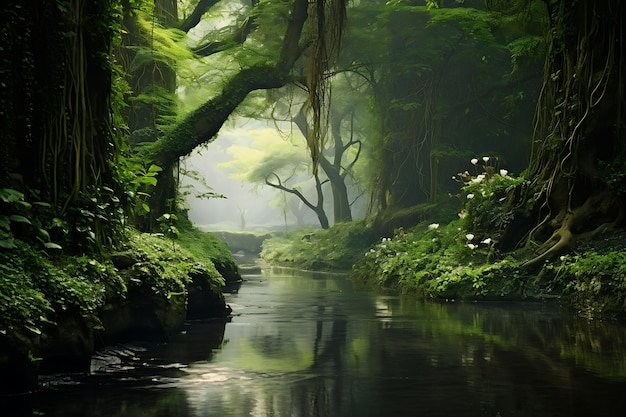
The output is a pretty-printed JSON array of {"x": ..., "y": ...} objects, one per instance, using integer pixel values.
[
  {"x": 166, "y": 266},
  {"x": 208, "y": 247},
  {"x": 35, "y": 287},
  {"x": 337, "y": 248},
  {"x": 440, "y": 262}
]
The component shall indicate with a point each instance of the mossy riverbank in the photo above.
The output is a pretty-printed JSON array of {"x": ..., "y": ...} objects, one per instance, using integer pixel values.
[
  {"x": 57, "y": 310},
  {"x": 446, "y": 262}
]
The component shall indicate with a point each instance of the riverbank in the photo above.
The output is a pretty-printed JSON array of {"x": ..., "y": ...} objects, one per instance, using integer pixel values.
[
  {"x": 445, "y": 262},
  {"x": 58, "y": 309}
]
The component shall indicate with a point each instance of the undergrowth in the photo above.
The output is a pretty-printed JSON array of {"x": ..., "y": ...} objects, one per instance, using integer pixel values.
[
  {"x": 35, "y": 287},
  {"x": 337, "y": 248}
]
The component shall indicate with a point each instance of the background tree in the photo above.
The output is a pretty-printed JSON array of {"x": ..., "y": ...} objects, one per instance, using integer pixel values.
[
  {"x": 280, "y": 164},
  {"x": 447, "y": 83}
]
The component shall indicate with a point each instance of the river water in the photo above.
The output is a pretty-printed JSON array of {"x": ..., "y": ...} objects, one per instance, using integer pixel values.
[{"x": 311, "y": 344}]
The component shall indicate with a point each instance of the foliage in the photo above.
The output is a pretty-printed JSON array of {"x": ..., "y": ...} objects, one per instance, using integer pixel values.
[
  {"x": 459, "y": 78},
  {"x": 438, "y": 262},
  {"x": 36, "y": 289},
  {"x": 206, "y": 247},
  {"x": 166, "y": 267},
  {"x": 16, "y": 218},
  {"x": 24, "y": 307},
  {"x": 488, "y": 210},
  {"x": 594, "y": 282},
  {"x": 336, "y": 248}
]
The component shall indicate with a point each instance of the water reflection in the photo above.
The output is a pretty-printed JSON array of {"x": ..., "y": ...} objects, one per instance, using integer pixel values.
[{"x": 305, "y": 344}]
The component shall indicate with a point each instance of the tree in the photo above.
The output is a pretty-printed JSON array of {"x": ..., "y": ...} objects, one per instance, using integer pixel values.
[
  {"x": 277, "y": 163},
  {"x": 149, "y": 57},
  {"x": 310, "y": 31},
  {"x": 334, "y": 168},
  {"x": 446, "y": 82},
  {"x": 61, "y": 140},
  {"x": 576, "y": 178}
]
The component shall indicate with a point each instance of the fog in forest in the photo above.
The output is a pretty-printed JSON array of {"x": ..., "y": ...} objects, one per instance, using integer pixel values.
[{"x": 245, "y": 206}]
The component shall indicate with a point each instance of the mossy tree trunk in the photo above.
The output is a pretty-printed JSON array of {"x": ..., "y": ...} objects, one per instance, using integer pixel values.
[
  {"x": 152, "y": 79},
  {"x": 58, "y": 138},
  {"x": 578, "y": 168}
]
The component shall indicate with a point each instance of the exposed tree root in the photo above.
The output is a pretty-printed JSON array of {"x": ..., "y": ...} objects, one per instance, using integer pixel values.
[{"x": 572, "y": 226}]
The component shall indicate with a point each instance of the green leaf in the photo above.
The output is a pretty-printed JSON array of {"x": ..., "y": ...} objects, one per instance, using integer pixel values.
[
  {"x": 44, "y": 234},
  {"x": 146, "y": 180},
  {"x": 52, "y": 245},
  {"x": 9, "y": 195},
  {"x": 154, "y": 169},
  {"x": 33, "y": 329},
  {"x": 8, "y": 243},
  {"x": 19, "y": 219}
]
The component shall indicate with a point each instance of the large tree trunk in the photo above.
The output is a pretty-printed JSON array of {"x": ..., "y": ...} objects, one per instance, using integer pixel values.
[
  {"x": 155, "y": 78},
  {"x": 579, "y": 167}
]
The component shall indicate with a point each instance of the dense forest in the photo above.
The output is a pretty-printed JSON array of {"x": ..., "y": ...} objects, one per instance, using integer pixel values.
[{"x": 485, "y": 137}]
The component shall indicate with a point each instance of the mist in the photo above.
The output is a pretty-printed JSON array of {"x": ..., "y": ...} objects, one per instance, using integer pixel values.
[{"x": 246, "y": 206}]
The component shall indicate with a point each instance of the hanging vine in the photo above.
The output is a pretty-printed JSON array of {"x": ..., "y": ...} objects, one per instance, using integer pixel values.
[
  {"x": 74, "y": 144},
  {"x": 579, "y": 123},
  {"x": 329, "y": 18}
]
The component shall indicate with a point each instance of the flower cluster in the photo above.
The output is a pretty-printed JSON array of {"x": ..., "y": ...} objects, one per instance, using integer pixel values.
[
  {"x": 485, "y": 192},
  {"x": 470, "y": 237},
  {"x": 489, "y": 166}
]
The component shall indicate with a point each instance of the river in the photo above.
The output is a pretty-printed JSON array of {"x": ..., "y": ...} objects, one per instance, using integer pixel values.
[{"x": 312, "y": 344}]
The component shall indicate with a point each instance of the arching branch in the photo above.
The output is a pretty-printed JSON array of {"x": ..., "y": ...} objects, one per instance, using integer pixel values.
[
  {"x": 194, "y": 18},
  {"x": 201, "y": 125}
]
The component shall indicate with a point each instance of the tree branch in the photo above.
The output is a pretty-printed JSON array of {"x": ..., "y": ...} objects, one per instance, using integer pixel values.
[
  {"x": 238, "y": 37},
  {"x": 193, "y": 19},
  {"x": 201, "y": 125}
]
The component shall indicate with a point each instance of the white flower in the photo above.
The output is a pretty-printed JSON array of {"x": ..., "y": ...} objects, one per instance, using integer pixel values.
[
  {"x": 486, "y": 241},
  {"x": 562, "y": 258},
  {"x": 474, "y": 161},
  {"x": 486, "y": 159},
  {"x": 434, "y": 239},
  {"x": 503, "y": 172},
  {"x": 433, "y": 226},
  {"x": 469, "y": 236},
  {"x": 470, "y": 196},
  {"x": 478, "y": 179},
  {"x": 471, "y": 246}
]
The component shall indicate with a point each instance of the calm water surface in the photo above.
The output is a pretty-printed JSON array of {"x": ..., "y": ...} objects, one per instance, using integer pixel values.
[{"x": 310, "y": 344}]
